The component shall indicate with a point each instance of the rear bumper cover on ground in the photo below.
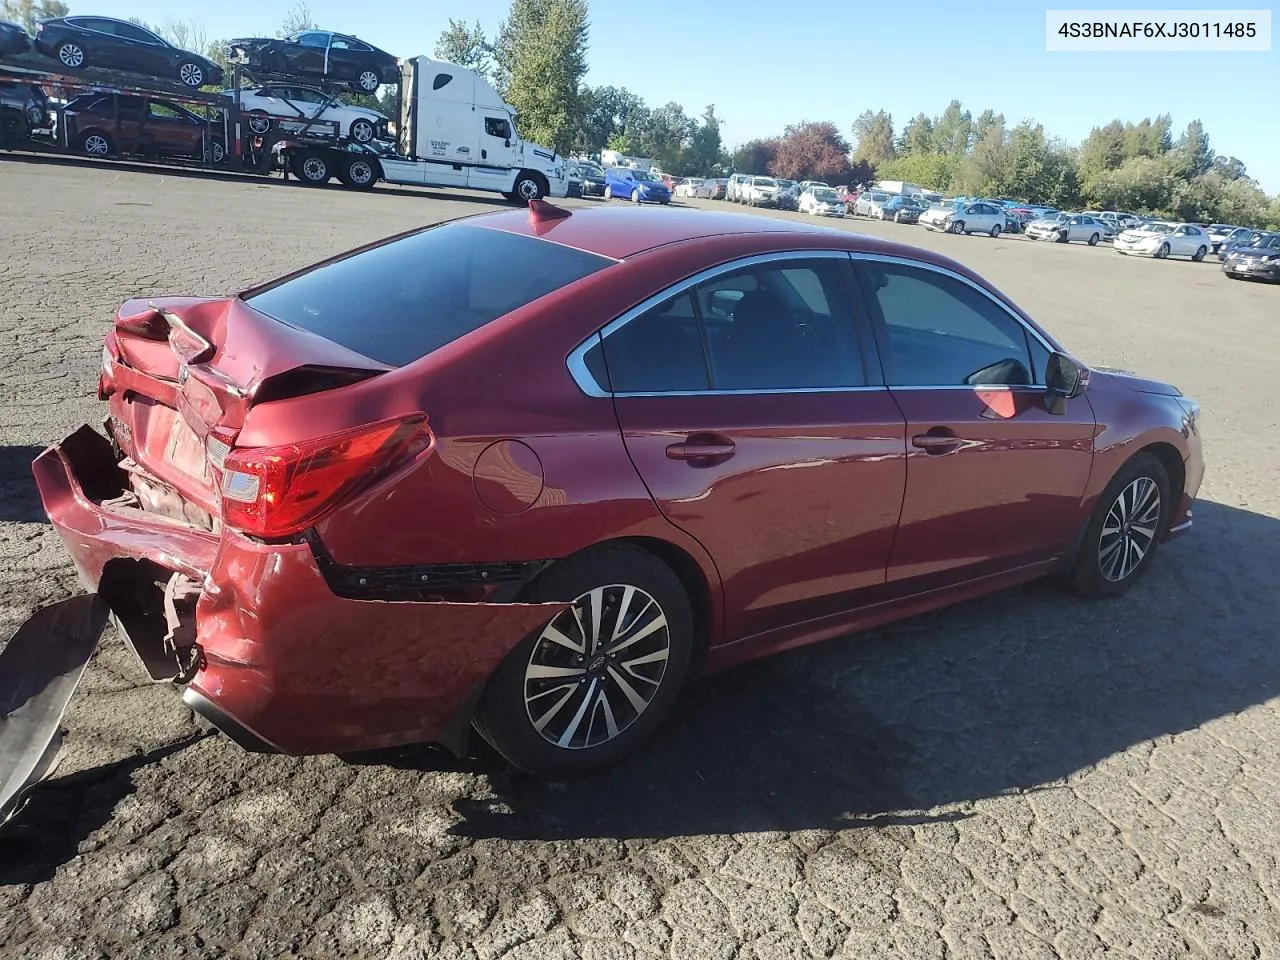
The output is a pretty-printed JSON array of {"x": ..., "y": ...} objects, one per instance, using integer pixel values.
[{"x": 281, "y": 662}]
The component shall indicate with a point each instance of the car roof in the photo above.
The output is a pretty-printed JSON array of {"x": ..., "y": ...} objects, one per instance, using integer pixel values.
[{"x": 622, "y": 232}]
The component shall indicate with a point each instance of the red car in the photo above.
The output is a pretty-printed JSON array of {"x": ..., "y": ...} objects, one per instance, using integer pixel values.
[{"x": 535, "y": 470}]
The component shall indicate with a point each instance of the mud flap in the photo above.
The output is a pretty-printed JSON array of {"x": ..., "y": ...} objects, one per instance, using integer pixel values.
[{"x": 40, "y": 668}]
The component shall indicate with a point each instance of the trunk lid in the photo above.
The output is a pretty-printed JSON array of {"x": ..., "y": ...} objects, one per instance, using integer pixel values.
[{"x": 182, "y": 373}]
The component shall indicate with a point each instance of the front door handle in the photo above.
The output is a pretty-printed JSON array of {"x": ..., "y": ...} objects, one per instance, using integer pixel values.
[
  {"x": 484, "y": 154},
  {"x": 702, "y": 447},
  {"x": 936, "y": 443}
]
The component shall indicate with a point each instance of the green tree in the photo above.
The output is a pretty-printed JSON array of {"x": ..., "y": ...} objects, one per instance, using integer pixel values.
[
  {"x": 983, "y": 125},
  {"x": 933, "y": 170},
  {"x": 604, "y": 112},
  {"x": 953, "y": 130},
  {"x": 1191, "y": 155},
  {"x": 755, "y": 156},
  {"x": 28, "y": 12},
  {"x": 1102, "y": 152},
  {"x": 540, "y": 58},
  {"x": 874, "y": 135},
  {"x": 465, "y": 46},
  {"x": 1148, "y": 138},
  {"x": 985, "y": 172},
  {"x": 705, "y": 153},
  {"x": 1140, "y": 183},
  {"x": 1028, "y": 162},
  {"x": 917, "y": 136}
]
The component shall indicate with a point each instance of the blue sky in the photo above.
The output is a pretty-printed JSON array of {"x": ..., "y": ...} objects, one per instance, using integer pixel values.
[{"x": 759, "y": 62}]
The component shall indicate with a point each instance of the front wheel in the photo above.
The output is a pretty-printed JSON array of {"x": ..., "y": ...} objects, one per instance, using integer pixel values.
[
  {"x": 259, "y": 122},
  {"x": 635, "y": 196},
  {"x": 598, "y": 679},
  {"x": 1063, "y": 236},
  {"x": 957, "y": 227},
  {"x": 191, "y": 74},
  {"x": 362, "y": 130},
  {"x": 359, "y": 173},
  {"x": 1199, "y": 255},
  {"x": 528, "y": 187},
  {"x": 1163, "y": 251},
  {"x": 367, "y": 81},
  {"x": 1125, "y": 529}
]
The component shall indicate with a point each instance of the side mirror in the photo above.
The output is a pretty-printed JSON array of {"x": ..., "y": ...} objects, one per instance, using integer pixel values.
[{"x": 1065, "y": 379}]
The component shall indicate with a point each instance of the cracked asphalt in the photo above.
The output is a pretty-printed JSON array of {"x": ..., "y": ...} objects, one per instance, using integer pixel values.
[{"x": 1025, "y": 776}]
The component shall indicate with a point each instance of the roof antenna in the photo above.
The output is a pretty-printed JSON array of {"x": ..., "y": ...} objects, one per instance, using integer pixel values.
[{"x": 540, "y": 211}]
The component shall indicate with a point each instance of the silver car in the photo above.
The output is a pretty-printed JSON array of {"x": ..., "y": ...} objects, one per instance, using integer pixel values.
[
  {"x": 870, "y": 203},
  {"x": 1066, "y": 227},
  {"x": 980, "y": 217}
]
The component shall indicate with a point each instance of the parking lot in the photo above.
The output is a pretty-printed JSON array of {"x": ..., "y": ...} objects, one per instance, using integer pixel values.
[{"x": 1025, "y": 776}]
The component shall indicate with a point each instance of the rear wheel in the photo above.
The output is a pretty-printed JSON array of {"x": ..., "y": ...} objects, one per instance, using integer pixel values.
[
  {"x": 362, "y": 130},
  {"x": 259, "y": 122},
  {"x": 71, "y": 55},
  {"x": 1093, "y": 240},
  {"x": 313, "y": 169},
  {"x": 595, "y": 682},
  {"x": 1125, "y": 530},
  {"x": 995, "y": 231},
  {"x": 359, "y": 173},
  {"x": 1200, "y": 254}
]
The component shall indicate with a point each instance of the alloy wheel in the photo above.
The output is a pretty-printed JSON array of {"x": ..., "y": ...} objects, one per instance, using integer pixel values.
[
  {"x": 315, "y": 169},
  {"x": 596, "y": 667},
  {"x": 191, "y": 74},
  {"x": 1129, "y": 530},
  {"x": 367, "y": 81},
  {"x": 96, "y": 145},
  {"x": 71, "y": 55}
]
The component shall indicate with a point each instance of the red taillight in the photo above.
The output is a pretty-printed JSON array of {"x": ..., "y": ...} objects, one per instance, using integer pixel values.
[{"x": 279, "y": 491}]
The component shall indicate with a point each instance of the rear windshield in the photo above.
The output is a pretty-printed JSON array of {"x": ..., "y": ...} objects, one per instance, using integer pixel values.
[{"x": 402, "y": 300}]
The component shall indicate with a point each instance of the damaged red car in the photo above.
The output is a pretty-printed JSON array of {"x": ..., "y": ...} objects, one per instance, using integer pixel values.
[{"x": 532, "y": 471}]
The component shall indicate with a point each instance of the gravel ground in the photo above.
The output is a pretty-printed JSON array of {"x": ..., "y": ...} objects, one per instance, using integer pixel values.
[{"x": 1025, "y": 776}]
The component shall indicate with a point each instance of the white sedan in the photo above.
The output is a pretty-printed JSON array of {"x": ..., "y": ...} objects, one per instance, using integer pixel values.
[
  {"x": 1160, "y": 240},
  {"x": 688, "y": 188},
  {"x": 821, "y": 202},
  {"x": 297, "y": 109},
  {"x": 980, "y": 217}
]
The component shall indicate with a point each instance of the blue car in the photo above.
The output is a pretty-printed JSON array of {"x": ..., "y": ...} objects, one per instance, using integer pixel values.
[{"x": 638, "y": 186}]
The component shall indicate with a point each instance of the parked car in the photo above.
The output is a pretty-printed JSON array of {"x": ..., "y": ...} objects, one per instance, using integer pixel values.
[
  {"x": 804, "y": 185},
  {"x": 712, "y": 189},
  {"x": 1234, "y": 234},
  {"x": 869, "y": 203},
  {"x": 638, "y": 186},
  {"x": 688, "y": 187},
  {"x": 1218, "y": 232},
  {"x": 966, "y": 218},
  {"x": 384, "y": 535},
  {"x": 788, "y": 195},
  {"x": 1260, "y": 260},
  {"x": 592, "y": 177},
  {"x": 13, "y": 38},
  {"x": 1161, "y": 239},
  {"x": 292, "y": 108},
  {"x": 104, "y": 125},
  {"x": 761, "y": 192},
  {"x": 1066, "y": 227},
  {"x": 733, "y": 191},
  {"x": 902, "y": 209},
  {"x": 24, "y": 108},
  {"x": 319, "y": 53},
  {"x": 1252, "y": 237},
  {"x": 80, "y": 42},
  {"x": 820, "y": 201}
]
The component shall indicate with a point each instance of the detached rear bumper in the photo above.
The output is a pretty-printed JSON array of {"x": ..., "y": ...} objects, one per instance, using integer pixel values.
[{"x": 276, "y": 659}]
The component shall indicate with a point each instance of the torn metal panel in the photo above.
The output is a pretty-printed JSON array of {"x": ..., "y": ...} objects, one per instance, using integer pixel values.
[{"x": 40, "y": 668}]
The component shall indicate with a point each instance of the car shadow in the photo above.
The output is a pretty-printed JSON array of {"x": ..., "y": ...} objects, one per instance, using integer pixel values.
[
  {"x": 19, "y": 498},
  {"x": 60, "y": 813},
  {"x": 1009, "y": 694}
]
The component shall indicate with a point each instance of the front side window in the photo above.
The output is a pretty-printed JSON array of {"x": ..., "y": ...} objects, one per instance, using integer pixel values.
[
  {"x": 402, "y": 300},
  {"x": 937, "y": 331},
  {"x": 783, "y": 325},
  {"x": 497, "y": 127},
  {"x": 163, "y": 111},
  {"x": 312, "y": 39}
]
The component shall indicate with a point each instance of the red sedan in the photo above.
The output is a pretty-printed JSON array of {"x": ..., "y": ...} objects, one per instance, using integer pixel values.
[{"x": 534, "y": 470}]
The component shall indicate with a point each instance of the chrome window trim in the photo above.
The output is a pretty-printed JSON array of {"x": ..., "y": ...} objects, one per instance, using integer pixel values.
[{"x": 577, "y": 364}]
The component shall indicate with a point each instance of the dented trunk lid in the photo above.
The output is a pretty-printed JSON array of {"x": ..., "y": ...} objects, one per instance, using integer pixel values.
[{"x": 182, "y": 373}]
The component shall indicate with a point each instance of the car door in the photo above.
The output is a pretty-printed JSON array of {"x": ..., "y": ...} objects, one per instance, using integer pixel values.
[
  {"x": 994, "y": 480},
  {"x": 172, "y": 131},
  {"x": 105, "y": 47},
  {"x": 146, "y": 52},
  {"x": 748, "y": 408},
  {"x": 347, "y": 56},
  {"x": 307, "y": 52}
]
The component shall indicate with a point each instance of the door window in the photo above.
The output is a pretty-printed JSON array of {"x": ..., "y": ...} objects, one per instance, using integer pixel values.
[
  {"x": 498, "y": 127},
  {"x": 660, "y": 351},
  {"x": 130, "y": 32},
  {"x": 937, "y": 331},
  {"x": 312, "y": 39},
  {"x": 162, "y": 111}
]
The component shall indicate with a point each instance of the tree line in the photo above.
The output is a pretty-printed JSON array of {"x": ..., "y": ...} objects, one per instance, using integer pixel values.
[{"x": 538, "y": 62}]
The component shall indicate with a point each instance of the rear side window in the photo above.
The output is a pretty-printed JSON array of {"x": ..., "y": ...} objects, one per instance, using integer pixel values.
[{"x": 400, "y": 301}]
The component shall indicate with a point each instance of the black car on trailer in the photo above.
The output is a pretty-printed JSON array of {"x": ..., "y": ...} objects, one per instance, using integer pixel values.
[
  {"x": 80, "y": 42},
  {"x": 318, "y": 53}
]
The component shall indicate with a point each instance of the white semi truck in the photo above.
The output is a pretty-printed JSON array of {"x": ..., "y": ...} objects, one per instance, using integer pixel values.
[{"x": 454, "y": 131}]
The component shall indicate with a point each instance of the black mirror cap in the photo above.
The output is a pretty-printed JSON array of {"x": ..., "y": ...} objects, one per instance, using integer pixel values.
[{"x": 1065, "y": 377}]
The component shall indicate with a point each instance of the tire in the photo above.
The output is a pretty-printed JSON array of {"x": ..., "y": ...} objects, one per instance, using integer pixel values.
[
  {"x": 897, "y": 218},
  {"x": 359, "y": 173},
  {"x": 313, "y": 169},
  {"x": 259, "y": 123},
  {"x": 72, "y": 55},
  {"x": 363, "y": 130},
  {"x": 957, "y": 227},
  {"x": 367, "y": 81},
  {"x": 512, "y": 698},
  {"x": 635, "y": 196},
  {"x": 216, "y": 153},
  {"x": 1162, "y": 252},
  {"x": 1064, "y": 236},
  {"x": 529, "y": 186},
  {"x": 1105, "y": 566},
  {"x": 1093, "y": 240},
  {"x": 191, "y": 74},
  {"x": 95, "y": 143},
  {"x": 1199, "y": 255},
  {"x": 995, "y": 231}
]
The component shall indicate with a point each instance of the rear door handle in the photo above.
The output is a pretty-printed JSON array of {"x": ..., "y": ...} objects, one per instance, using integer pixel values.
[
  {"x": 936, "y": 443},
  {"x": 702, "y": 448}
]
